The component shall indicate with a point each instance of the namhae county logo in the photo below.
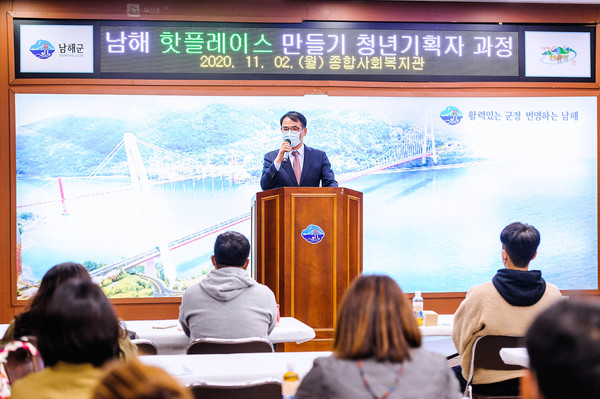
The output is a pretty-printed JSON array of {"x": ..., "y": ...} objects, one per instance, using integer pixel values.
[
  {"x": 558, "y": 55},
  {"x": 42, "y": 49},
  {"x": 313, "y": 234},
  {"x": 451, "y": 115}
]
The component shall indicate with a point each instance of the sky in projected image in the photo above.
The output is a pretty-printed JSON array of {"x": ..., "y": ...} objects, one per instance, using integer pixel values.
[{"x": 433, "y": 224}]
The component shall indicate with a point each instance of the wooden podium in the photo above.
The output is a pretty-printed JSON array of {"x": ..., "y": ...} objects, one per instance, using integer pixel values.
[{"x": 307, "y": 247}]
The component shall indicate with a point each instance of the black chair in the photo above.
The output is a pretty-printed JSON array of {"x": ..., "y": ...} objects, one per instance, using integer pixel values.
[
  {"x": 204, "y": 346},
  {"x": 145, "y": 346},
  {"x": 259, "y": 390},
  {"x": 486, "y": 354}
]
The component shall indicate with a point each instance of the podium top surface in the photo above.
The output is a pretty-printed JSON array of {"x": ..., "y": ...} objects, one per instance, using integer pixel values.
[{"x": 308, "y": 190}]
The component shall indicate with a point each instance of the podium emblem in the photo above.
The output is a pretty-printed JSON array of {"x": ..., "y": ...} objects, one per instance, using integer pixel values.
[{"x": 313, "y": 234}]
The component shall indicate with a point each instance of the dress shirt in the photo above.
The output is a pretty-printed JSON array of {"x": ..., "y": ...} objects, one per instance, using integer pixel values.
[{"x": 292, "y": 158}]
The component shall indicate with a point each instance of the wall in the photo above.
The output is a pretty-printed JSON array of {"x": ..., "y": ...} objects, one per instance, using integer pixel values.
[{"x": 256, "y": 11}]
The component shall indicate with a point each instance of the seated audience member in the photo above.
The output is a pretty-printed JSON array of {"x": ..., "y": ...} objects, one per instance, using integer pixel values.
[
  {"x": 228, "y": 303},
  {"x": 377, "y": 350},
  {"x": 134, "y": 380},
  {"x": 564, "y": 352},
  {"x": 26, "y": 323},
  {"x": 505, "y": 306},
  {"x": 78, "y": 333}
]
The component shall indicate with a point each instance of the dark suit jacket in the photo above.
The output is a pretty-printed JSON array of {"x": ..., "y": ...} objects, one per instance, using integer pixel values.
[{"x": 315, "y": 170}]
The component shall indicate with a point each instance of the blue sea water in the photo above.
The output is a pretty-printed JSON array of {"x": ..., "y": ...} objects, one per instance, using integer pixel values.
[
  {"x": 438, "y": 230},
  {"x": 432, "y": 229}
]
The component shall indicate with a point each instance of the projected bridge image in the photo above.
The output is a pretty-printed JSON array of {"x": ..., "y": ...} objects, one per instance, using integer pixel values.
[{"x": 206, "y": 184}]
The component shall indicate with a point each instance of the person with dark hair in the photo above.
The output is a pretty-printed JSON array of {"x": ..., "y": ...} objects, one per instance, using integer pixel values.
[
  {"x": 504, "y": 306},
  {"x": 26, "y": 323},
  {"x": 520, "y": 242},
  {"x": 134, "y": 380},
  {"x": 563, "y": 344},
  {"x": 377, "y": 350},
  {"x": 78, "y": 333},
  {"x": 295, "y": 164},
  {"x": 228, "y": 303}
]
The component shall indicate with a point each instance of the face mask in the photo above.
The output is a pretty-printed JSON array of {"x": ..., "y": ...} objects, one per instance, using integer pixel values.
[{"x": 294, "y": 137}]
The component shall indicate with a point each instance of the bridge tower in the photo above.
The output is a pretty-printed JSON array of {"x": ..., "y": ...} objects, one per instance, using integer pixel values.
[
  {"x": 139, "y": 180},
  {"x": 428, "y": 135}
]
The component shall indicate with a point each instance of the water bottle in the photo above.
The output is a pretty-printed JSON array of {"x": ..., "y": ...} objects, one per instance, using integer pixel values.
[
  {"x": 418, "y": 307},
  {"x": 290, "y": 384}
]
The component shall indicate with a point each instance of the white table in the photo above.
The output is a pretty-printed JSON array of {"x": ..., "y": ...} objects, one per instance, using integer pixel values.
[
  {"x": 439, "y": 338},
  {"x": 440, "y": 344},
  {"x": 444, "y": 327},
  {"x": 168, "y": 336},
  {"x": 235, "y": 368},
  {"x": 516, "y": 356}
]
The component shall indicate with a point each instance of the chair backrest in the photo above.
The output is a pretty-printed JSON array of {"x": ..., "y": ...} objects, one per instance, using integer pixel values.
[
  {"x": 486, "y": 354},
  {"x": 486, "y": 351},
  {"x": 216, "y": 345},
  {"x": 260, "y": 390},
  {"x": 145, "y": 346}
]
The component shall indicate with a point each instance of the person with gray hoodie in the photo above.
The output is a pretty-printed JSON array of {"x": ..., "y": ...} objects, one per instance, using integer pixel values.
[{"x": 228, "y": 303}]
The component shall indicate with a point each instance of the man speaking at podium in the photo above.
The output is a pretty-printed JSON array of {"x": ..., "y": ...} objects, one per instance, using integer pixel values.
[{"x": 294, "y": 164}]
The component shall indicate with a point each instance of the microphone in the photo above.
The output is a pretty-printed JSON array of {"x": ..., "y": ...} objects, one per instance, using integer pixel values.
[{"x": 286, "y": 155}]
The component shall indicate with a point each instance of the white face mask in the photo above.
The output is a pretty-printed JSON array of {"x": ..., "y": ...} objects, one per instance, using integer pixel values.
[{"x": 294, "y": 137}]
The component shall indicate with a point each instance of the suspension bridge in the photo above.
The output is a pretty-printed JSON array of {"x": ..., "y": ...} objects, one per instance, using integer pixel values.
[
  {"x": 411, "y": 146},
  {"x": 163, "y": 166}
]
